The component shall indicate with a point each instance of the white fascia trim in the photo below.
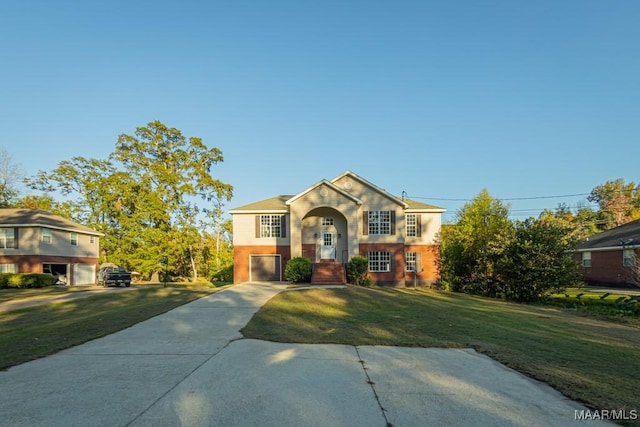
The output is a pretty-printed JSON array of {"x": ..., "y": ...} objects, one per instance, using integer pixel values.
[
  {"x": 260, "y": 211},
  {"x": 373, "y": 186},
  {"x": 434, "y": 210},
  {"x": 53, "y": 227},
  {"x": 328, "y": 184},
  {"x": 608, "y": 248}
]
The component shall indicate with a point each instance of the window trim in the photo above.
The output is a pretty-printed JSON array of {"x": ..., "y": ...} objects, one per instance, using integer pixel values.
[
  {"x": 47, "y": 236},
  {"x": 73, "y": 238},
  {"x": 268, "y": 226},
  {"x": 628, "y": 258},
  {"x": 410, "y": 264},
  {"x": 586, "y": 259},
  {"x": 379, "y": 261},
  {"x": 327, "y": 220},
  {"x": 8, "y": 235}
]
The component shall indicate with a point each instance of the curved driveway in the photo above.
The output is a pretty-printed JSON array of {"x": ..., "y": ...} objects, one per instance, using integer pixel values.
[{"x": 192, "y": 367}]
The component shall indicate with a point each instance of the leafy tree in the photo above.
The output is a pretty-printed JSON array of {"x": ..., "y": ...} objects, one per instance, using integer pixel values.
[
  {"x": 11, "y": 175},
  {"x": 619, "y": 202},
  {"x": 537, "y": 260},
  {"x": 471, "y": 248},
  {"x": 147, "y": 197}
]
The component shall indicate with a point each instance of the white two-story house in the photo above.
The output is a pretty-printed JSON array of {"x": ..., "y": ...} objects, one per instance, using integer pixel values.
[
  {"x": 36, "y": 241},
  {"x": 333, "y": 221}
]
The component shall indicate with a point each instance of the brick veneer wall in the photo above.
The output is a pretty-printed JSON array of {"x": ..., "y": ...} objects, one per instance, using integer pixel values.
[{"x": 241, "y": 259}]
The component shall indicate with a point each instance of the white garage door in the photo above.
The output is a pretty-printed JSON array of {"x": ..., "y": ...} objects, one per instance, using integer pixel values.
[
  {"x": 265, "y": 268},
  {"x": 84, "y": 274}
]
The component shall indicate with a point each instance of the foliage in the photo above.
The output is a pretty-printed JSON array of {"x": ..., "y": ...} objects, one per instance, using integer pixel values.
[
  {"x": 537, "y": 260},
  {"x": 26, "y": 280},
  {"x": 471, "y": 248},
  {"x": 153, "y": 197},
  {"x": 357, "y": 269},
  {"x": 619, "y": 202},
  {"x": 11, "y": 175},
  {"x": 298, "y": 270},
  {"x": 223, "y": 275}
]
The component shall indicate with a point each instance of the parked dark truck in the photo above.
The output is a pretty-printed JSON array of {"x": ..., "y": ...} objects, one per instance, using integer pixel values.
[{"x": 114, "y": 276}]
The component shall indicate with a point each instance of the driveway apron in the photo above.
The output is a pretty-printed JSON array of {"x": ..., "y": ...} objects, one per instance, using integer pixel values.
[{"x": 191, "y": 367}]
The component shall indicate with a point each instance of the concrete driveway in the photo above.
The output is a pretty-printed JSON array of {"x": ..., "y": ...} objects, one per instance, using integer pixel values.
[{"x": 192, "y": 367}]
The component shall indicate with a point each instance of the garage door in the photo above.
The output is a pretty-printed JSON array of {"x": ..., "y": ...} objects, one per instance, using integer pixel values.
[
  {"x": 84, "y": 274},
  {"x": 265, "y": 268}
]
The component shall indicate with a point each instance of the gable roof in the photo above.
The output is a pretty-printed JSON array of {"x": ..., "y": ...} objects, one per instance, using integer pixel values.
[
  {"x": 372, "y": 186},
  {"x": 280, "y": 204},
  {"x": 39, "y": 218},
  {"x": 277, "y": 204},
  {"x": 625, "y": 236},
  {"x": 330, "y": 185}
]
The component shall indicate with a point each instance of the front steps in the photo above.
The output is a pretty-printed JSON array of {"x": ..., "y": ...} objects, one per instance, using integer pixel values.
[{"x": 328, "y": 273}]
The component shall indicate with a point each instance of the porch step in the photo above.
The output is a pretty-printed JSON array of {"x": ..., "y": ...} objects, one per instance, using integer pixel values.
[{"x": 328, "y": 273}]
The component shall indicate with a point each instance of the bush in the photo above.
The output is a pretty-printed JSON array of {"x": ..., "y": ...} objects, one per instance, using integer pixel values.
[
  {"x": 223, "y": 275},
  {"x": 357, "y": 271},
  {"x": 298, "y": 270},
  {"x": 26, "y": 280}
]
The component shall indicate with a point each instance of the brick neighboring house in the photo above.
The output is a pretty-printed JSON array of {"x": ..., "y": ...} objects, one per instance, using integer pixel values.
[
  {"x": 36, "y": 241},
  {"x": 329, "y": 223},
  {"x": 609, "y": 257}
]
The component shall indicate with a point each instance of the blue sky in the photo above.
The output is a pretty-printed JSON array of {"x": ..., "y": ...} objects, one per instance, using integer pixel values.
[{"x": 437, "y": 99}]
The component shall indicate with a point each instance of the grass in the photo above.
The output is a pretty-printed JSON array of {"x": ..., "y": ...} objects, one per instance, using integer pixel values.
[
  {"x": 30, "y": 333},
  {"x": 592, "y": 360}
]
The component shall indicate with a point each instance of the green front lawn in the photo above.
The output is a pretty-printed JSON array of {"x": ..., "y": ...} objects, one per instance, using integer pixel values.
[
  {"x": 35, "y": 332},
  {"x": 592, "y": 360}
]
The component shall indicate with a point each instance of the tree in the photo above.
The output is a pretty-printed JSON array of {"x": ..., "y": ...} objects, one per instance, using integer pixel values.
[
  {"x": 471, "y": 248},
  {"x": 537, "y": 260},
  {"x": 147, "y": 197},
  {"x": 619, "y": 202},
  {"x": 11, "y": 175}
]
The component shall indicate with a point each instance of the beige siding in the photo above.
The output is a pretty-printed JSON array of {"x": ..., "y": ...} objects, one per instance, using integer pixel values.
[
  {"x": 431, "y": 223},
  {"x": 244, "y": 231},
  {"x": 30, "y": 243}
]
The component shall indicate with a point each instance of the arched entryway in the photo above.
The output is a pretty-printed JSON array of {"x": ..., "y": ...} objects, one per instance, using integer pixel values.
[{"x": 324, "y": 236}]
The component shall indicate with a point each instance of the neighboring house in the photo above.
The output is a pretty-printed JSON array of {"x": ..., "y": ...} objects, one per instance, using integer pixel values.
[
  {"x": 36, "y": 241},
  {"x": 609, "y": 257},
  {"x": 331, "y": 222}
]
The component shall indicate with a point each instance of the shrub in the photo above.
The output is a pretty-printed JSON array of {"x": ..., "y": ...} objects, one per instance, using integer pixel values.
[
  {"x": 223, "y": 275},
  {"x": 357, "y": 271},
  {"x": 26, "y": 280},
  {"x": 298, "y": 270}
]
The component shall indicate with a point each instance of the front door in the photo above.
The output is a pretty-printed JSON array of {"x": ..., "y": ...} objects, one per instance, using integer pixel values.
[{"x": 328, "y": 246}]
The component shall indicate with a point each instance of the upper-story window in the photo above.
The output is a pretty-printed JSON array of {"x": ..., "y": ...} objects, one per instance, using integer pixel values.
[
  {"x": 628, "y": 258},
  {"x": 327, "y": 220},
  {"x": 46, "y": 236},
  {"x": 74, "y": 239},
  {"x": 270, "y": 226},
  {"x": 412, "y": 225},
  {"x": 7, "y": 238},
  {"x": 379, "y": 222},
  {"x": 586, "y": 259}
]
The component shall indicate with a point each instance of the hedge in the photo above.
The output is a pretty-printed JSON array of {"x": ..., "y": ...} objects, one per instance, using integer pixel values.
[{"x": 26, "y": 280}]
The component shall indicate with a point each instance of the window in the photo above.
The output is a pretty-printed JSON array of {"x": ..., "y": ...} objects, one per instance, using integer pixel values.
[
  {"x": 379, "y": 222},
  {"x": 8, "y": 268},
  {"x": 586, "y": 259},
  {"x": 74, "y": 239},
  {"x": 7, "y": 238},
  {"x": 92, "y": 239},
  {"x": 379, "y": 261},
  {"x": 46, "y": 236},
  {"x": 412, "y": 225},
  {"x": 628, "y": 258},
  {"x": 270, "y": 226},
  {"x": 328, "y": 220},
  {"x": 410, "y": 261}
]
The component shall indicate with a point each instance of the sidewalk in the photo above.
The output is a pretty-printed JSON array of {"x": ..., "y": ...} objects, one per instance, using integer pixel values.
[{"x": 191, "y": 367}]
